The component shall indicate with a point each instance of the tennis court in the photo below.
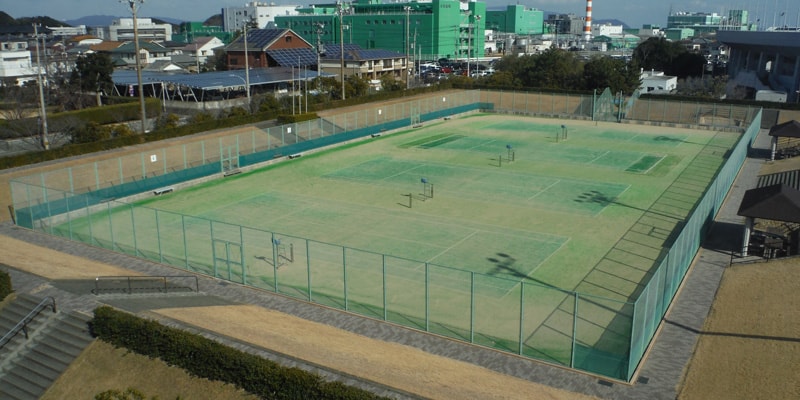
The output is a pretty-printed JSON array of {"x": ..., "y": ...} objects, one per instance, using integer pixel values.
[{"x": 532, "y": 236}]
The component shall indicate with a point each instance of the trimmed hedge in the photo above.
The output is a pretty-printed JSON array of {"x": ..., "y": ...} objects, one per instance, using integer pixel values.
[
  {"x": 5, "y": 285},
  {"x": 208, "y": 359}
]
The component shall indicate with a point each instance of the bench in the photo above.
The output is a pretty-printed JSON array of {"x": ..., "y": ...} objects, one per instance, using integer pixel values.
[
  {"x": 165, "y": 189},
  {"x": 296, "y": 155},
  {"x": 376, "y": 135}
]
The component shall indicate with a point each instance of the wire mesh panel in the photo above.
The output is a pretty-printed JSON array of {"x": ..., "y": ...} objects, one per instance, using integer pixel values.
[
  {"x": 406, "y": 292},
  {"x": 451, "y": 303},
  {"x": 327, "y": 273},
  {"x": 365, "y": 282}
]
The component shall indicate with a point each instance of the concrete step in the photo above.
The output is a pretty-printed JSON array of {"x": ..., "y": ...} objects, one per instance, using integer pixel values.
[
  {"x": 46, "y": 356},
  {"x": 41, "y": 367},
  {"x": 12, "y": 388},
  {"x": 31, "y": 382}
]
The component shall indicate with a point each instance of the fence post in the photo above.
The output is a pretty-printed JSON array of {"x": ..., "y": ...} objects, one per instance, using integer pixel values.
[
  {"x": 521, "y": 316},
  {"x": 574, "y": 330}
]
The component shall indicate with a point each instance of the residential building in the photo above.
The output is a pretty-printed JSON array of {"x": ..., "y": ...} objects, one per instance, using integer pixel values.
[
  {"x": 124, "y": 55},
  {"x": 15, "y": 62},
  {"x": 195, "y": 54},
  {"x": 122, "y": 30},
  {"x": 262, "y": 14},
  {"x": 658, "y": 83}
]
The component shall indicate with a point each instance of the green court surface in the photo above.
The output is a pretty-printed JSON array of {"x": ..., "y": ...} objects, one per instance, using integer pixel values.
[{"x": 506, "y": 200}]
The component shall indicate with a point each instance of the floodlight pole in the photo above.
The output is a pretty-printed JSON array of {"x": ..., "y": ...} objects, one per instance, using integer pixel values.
[
  {"x": 469, "y": 38},
  {"x": 320, "y": 27},
  {"x": 134, "y": 7},
  {"x": 42, "y": 109},
  {"x": 246, "y": 70},
  {"x": 340, "y": 11},
  {"x": 408, "y": 25}
]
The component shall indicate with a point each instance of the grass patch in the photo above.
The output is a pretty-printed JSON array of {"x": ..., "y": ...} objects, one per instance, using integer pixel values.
[{"x": 103, "y": 367}]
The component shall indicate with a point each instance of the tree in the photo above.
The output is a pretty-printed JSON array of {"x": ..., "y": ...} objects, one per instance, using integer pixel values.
[
  {"x": 217, "y": 62},
  {"x": 356, "y": 86},
  {"x": 93, "y": 72},
  {"x": 687, "y": 64},
  {"x": 390, "y": 84},
  {"x": 656, "y": 54},
  {"x": 605, "y": 72}
]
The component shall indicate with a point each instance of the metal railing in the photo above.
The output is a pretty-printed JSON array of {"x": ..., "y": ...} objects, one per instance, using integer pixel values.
[
  {"x": 22, "y": 325},
  {"x": 129, "y": 284}
]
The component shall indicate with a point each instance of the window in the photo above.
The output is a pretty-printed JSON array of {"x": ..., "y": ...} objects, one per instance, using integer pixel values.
[{"x": 288, "y": 39}]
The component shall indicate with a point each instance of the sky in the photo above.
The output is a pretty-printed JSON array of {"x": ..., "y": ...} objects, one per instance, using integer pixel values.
[{"x": 633, "y": 13}]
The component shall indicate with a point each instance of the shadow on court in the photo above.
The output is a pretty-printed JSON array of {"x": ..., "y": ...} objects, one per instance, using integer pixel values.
[{"x": 504, "y": 265}]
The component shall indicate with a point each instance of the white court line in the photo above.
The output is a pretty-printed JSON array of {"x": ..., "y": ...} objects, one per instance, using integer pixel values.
[
  {"x": 530, "y": 274},
  {"x": 403, "y": 172},
  {"x": 599, "y": 157},
  {"x": 482, "y": 144},
  {"x": 544, "y": 190},
  {"x": 454, "y": 245}
]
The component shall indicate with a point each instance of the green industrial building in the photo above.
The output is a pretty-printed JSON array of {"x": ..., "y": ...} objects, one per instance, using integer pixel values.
[
  {"x": 189, "y": 31},
  {"x": 423, "y": 31},
  {"x": 516, "y": 19}
]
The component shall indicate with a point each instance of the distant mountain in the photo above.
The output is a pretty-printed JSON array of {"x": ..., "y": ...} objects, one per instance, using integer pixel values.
[
  {"x": 93, "y": 20},
  {"x": 106, "y": 20},
  {"x": 7, "y": 20},
  {"x": 610, "y": 21},
  {"x": 214, "y": 20}
]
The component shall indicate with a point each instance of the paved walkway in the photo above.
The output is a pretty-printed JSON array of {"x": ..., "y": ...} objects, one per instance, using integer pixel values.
[{"x": 658, "y": 378}]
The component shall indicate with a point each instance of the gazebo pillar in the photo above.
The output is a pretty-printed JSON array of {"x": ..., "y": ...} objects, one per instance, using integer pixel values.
[
  {"x": 748, "y": 227},
  {"x": 774, "y": 148}
]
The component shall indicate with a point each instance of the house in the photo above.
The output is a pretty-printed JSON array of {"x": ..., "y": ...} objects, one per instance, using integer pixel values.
[
  {"x": 259, "y": 42},
  {"x": 123, "y": 55},
  {"x": 202, "y": 48}
]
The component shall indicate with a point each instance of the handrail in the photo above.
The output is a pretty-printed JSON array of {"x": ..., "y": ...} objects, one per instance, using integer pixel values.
[
  {"x": 22, "y": 325},
  {"x": 129, "y": 279}
]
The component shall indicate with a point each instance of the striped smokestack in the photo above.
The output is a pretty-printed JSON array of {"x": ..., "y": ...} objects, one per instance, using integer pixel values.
[{"x": 587, "y": 28}]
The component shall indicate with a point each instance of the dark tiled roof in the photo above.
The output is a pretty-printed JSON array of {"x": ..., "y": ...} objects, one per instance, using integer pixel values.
[
  {"x": 777, "y": 203},
  {"x": 786, "y": 129}
]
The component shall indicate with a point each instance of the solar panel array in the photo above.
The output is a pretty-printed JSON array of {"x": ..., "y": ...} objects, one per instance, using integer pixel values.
[
  {"x": 217, "y": 80},
  {"x": 263, "y": 37},
  {"x": 293, "y": 57}
]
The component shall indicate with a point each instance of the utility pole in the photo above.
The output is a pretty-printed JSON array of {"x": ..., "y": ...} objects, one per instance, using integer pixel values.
[
  {"x": 42, "y": 109},
  {"x": 134, "y": 7}
]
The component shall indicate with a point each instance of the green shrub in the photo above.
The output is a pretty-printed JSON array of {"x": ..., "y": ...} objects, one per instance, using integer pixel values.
[
  {"x": 208, "y": 359},
  {"x": 5, "y": 285}
]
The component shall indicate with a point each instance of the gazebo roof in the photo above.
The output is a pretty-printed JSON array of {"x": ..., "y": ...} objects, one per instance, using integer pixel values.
[
  {"x": 777, "y": 202},
  {"x": 786, "y": 129}
]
